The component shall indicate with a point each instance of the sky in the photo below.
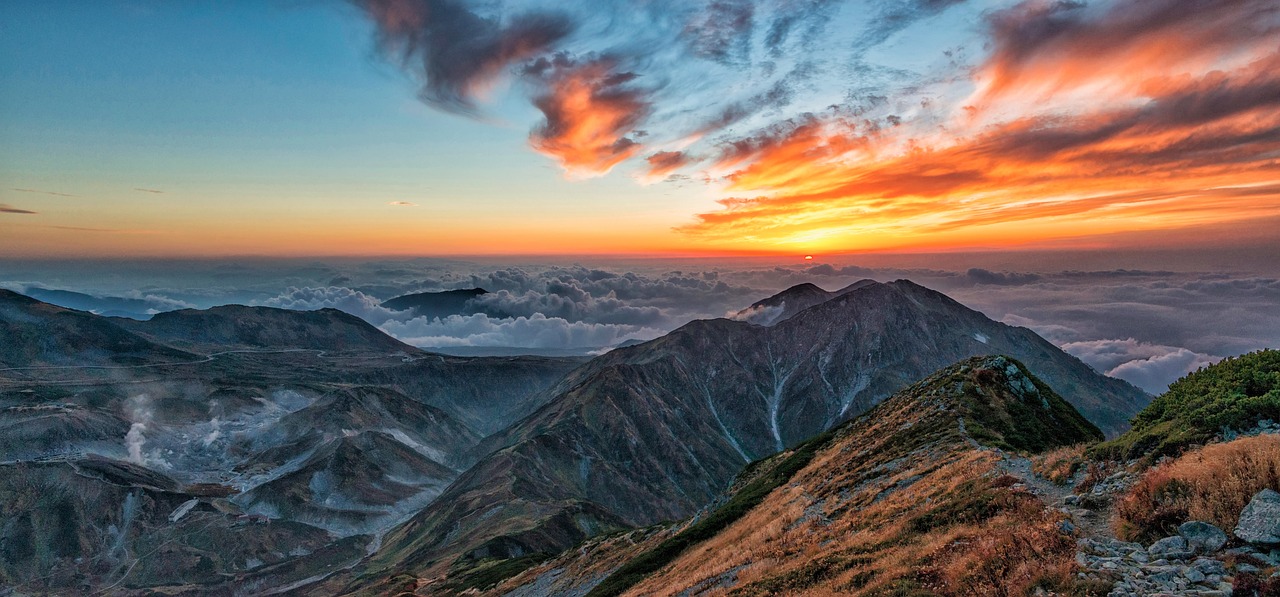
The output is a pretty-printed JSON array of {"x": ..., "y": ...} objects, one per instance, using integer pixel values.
[{"x": 148, "y": 128}]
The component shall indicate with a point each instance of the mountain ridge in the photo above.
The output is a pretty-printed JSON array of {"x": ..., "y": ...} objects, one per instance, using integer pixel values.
[{"x": 653, "y": 432}]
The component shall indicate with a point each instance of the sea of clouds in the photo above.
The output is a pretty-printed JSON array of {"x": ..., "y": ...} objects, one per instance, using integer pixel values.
[{"x": 1147, "y": 326}]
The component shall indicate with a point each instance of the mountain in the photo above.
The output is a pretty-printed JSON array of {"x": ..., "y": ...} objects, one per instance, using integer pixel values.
[
  {"x": 655, "y": 431},
  {"x": 438, "y": 304},
  {"x": 239, "y": 327},
  {"x": 789, "y": 302},
  {"x": 115, "y": 306},
  {"x": 925, "y": 493},
  {"x": 39, "y": 334}
]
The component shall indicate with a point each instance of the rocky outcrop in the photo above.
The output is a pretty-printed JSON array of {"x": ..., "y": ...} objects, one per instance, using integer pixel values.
[{"x": 1260, "y": 520}]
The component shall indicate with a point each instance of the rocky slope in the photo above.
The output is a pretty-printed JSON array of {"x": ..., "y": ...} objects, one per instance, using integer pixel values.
[
  {"x": 75, "y": 526},
  {"x": 654, "y": 432},
  {"x": 320, "y": 449},
  {"x": 921, "y": 494}
]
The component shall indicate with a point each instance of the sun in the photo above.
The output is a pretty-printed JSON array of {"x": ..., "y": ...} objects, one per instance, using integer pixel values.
[{"x": 808, "y": 257}]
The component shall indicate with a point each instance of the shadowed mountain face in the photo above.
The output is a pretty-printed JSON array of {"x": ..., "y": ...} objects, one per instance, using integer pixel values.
[
  {"x": 74, "y": 526},
  {"x": 654, "y": 432}
]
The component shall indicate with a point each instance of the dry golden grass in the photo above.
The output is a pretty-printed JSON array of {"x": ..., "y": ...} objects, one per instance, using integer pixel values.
[
  {"x": 1060, "y": 464},
  {"x": 1212, "y": 484},
  {"x": 919, "y": 512}
]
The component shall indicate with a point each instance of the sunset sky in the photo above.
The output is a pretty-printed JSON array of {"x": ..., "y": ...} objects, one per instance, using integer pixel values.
[{"x": 441, "y": 127}]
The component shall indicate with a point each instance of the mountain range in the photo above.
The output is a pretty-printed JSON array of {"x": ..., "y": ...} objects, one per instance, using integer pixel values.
[
  {"x": 436, "y": 465},
  {"x": 653, "y": 432}
]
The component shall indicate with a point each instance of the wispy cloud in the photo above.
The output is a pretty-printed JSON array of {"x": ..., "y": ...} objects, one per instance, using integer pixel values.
[
  {"x": 456, "y": 53},
  {"x": 403, "y": 204},
  {"x": 40, "y": 192},
  {"x": 5, "y": 208},
  {"x": 156, "y": 191}
]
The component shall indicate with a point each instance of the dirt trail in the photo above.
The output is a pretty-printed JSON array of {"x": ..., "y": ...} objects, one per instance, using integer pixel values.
[{"x": 1091, "y": 523}]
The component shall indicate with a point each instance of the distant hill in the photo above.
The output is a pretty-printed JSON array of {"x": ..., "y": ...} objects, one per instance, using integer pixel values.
[
  {"x": 113, "y": 306},
  {"x": 347, "y": 484},
  {"x": 75, "y": 524},
  {"x": 437, "y": 304},
  {"x": 239, "y": 327},
  {"x": 39, "y": 334},
  {"x": 247, "y": 462}
]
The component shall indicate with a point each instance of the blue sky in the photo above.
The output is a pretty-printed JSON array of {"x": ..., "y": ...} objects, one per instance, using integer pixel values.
[{"x": 251, "y": 112}]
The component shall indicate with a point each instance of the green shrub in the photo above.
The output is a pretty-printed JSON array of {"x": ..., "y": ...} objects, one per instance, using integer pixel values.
[{"x": 1233, "y": 394}]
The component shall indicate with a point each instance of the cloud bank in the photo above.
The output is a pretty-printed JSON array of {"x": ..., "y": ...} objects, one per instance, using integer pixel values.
[{"x": 1147, "y": 326}]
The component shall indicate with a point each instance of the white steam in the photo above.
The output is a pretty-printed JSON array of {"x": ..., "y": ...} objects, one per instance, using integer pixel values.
[{"x": 138, "y": 409}]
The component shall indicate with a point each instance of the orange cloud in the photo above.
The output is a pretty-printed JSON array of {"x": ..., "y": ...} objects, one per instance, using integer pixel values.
[
  {"x": 1182, "y": 136},
  {"x": 1044, "y": 49},
  {"x": 589, "y": 111}
]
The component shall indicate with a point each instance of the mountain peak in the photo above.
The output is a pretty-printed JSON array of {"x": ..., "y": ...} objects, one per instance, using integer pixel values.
[{"x": 789, "y": 302}]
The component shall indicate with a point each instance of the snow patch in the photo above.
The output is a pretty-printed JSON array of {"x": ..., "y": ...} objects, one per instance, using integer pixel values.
[{"x": 182, "y": 510}]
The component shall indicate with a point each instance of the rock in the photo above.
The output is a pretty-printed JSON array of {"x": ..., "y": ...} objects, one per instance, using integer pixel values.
[
  {"x": 1209, "y": 566},
  {"x": 1171, "y": 548},
  {"x": 1260, "y": 520},
  {"x": 1066, "y": 527},
  {"x": 1194, "y": 575},
  {"x": 1202, "y": 536}
]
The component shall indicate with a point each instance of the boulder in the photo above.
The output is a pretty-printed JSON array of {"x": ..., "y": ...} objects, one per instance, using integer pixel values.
[
  {"x": 1172, "y": 548},
  {"x": 1202, "y": 536},
  {"x": 1260, "y": 520}
]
